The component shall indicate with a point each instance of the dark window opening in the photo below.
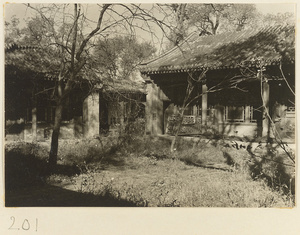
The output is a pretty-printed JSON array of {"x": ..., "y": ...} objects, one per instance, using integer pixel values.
[{"x": 233, "y": 113}]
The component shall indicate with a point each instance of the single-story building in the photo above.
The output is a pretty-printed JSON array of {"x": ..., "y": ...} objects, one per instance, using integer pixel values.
[
  {"x": 30, "y": 105},
  {"x": 247, "y": 89}
]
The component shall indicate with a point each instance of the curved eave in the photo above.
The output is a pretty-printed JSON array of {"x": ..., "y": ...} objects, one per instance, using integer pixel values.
[
  {"x": 197, "y": 67},
  {"x": 13, "y": 47}
]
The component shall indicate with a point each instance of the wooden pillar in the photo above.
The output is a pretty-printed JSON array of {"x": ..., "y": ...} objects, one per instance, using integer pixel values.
[
  {"x": 219, "y": 118},
  {"x": 247, "y": 114},
  {"x": 91, "y": 108},
  {"x": 148, "y": 108},
  {"x": 121, "y": 113},
  {"x": 266, "y": 110},
  {"x": 195, "y": 110},
  {"x": 204, "y": 104},
  {"x": 34, "y": 117},
  {"x": 160, "y": 112},
  {"x": 154, "y": 110}
]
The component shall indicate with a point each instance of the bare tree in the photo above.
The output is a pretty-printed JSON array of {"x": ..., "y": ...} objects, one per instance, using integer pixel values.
[
  {"x": 210, "y": 19},
  {"x": 180, "y": 15},
  {"x": 207, "y": 19},
  {"x": 239, "y": 16},
  {"x": 65, "y": 37},
  {"x": 193, "y": 82},
  {"x": 277, "y": 137}
]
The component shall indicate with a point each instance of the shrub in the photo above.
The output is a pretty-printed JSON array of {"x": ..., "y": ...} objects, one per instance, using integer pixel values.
[
  {"x": 270, "y": 166},
  {"x": 79, "y": 151},
  {"x": 25, "y": 166}
]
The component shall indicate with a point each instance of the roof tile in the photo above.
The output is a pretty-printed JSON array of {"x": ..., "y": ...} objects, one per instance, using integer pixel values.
[{"x": 226, "y": 50}]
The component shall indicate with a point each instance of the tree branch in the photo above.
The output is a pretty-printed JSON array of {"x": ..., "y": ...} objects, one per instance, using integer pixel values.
[{"x": 91, "y": 34}]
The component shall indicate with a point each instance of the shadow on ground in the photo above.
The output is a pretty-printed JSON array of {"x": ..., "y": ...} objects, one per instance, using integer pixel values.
[
  {"x": 52, "y": 196},
  {"x": 25, "y": 186}
]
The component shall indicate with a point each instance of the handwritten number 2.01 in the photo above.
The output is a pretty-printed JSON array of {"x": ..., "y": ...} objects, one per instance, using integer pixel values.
[{"x": 25, "y": 224}]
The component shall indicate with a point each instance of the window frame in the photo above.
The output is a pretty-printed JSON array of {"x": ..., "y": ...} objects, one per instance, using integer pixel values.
[{"x": 242, "y": 119}]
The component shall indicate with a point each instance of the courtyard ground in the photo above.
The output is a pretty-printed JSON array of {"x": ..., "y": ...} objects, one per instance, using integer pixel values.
[{"x": 142, "y": 172}]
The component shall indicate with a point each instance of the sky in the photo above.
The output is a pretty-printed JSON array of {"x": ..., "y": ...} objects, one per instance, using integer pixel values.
[
  {"x": 22, "y": 12},
  {"x": 275, "y": 8}
]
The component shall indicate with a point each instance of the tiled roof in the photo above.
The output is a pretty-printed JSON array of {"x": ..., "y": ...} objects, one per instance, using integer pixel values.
[
  {"x": 124, "y": 86},
  {"x": 16, "y": 53},
  {"x": 11, "y": 47},
  {"x": 226, "y": 50}
]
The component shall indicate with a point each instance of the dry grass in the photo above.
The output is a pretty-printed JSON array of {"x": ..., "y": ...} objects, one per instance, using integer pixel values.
[
  {"x": 144, "y": 173},
  {"x": 150, "y": 182}
]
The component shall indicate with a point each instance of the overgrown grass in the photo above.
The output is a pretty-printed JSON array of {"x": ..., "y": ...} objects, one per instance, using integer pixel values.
[
  {"x": 143, "y": 172},
  {"x": 151, "y": 182}
]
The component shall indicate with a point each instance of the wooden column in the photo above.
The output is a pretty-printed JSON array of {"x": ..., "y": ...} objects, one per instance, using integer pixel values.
[
  {"x": 34, "y": 117},
  {"x": 247, "y": 111},
  {"x": 91, "y": 108},
  {"x": 121, "y": 113},
  {"x": 247, "y": 114},
  {"x": 148, "y": 108},
  {"x": 154, "y": 110},
  {"x": 219, "y": 117},
  {"x": 160, "y": 112},
  {"x": 204, "y": 104},
  {"x": 195, "y": 110},
  {"x": 266, "y": 110}
]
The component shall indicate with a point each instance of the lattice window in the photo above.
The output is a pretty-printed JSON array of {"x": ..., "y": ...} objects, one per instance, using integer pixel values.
[
  {"x": 188, "y": 120},
  {"x": 290, "y": 112},
  {"x": 235, "y": 113},
  {"x": 198, "y": 120}
]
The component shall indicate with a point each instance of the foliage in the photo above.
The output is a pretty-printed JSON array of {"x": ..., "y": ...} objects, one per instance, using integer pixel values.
[
  {"x": 204, "y": 155},
  {"x": 283, "y": 19},
  {"x": 118, "y": 57},
  {"x": 209, "y": 19},
  {"x": 34, "y": 37},
  {"x": 76, "y": 152},
  {"x": 240, "y": 16},
  {"x": 25, "y": 165},
  {"x": 12, "y": 31},
  {"x": 214, "y": 18}
]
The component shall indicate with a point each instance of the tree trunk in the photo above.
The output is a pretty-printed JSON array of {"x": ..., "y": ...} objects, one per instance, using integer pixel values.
[
  {"x": 180, "y": 17},
  {"x": 174, "y": 141},
  {"x": 55, "y": 135},
  {"x": 189, "y": 89}
]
